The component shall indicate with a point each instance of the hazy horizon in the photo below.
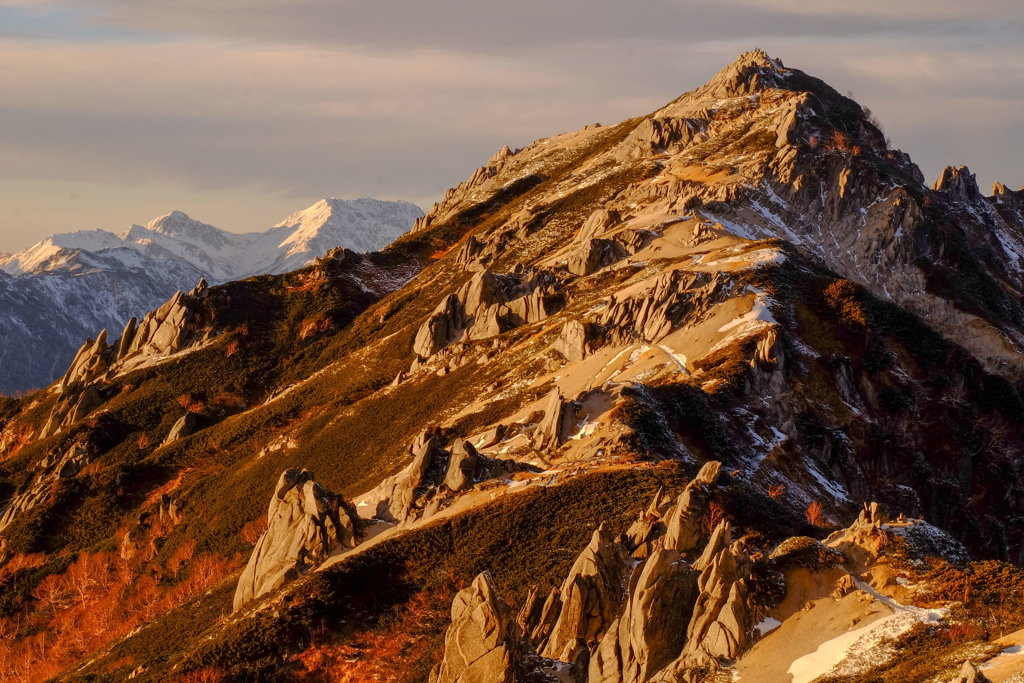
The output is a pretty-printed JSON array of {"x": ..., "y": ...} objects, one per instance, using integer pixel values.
[{"x": 240, "y": 114}]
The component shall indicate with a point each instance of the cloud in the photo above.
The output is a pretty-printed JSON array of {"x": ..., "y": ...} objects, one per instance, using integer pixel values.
[
  {"x": 490, "y": 26},
  {"x": 214, "y": 113}
]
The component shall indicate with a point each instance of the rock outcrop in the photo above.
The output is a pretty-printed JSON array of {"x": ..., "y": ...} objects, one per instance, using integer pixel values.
[
  {"x": 600, "y": 243},
  {"x": 645, "y": 535},
  {"x": 969, "y": 673},
  {"x": 958, "y": 183},
  {"x": 134, "y": 539},
  {"x": 722, "y": 624},
  {"x": 169, "y": 512},
  {"x": 572, "y": 342},
  {"x": 445, "y": 325},
  {"x": 185, "y": 426},
  {"x": 433, "y": 476},
  {"x": 305, "y": 522},
  {"x": 864, "y": 541},
  {"x": 71, "y": 407},
  {"x": 677, "y": 526},
  {"x": 539, "y": 619},
  {"x": 629, "y": 621},
  {"x": 396, "y": 499},
  {"x": 660, "y": 135},
  {"x": 556, "y": 423},
  {"x": 482, "y": 643},
  {"x": 90, "y": 363},
  {"x": 684, "y": 521},
  {"x": 53, "y": 468},
  {"x": 461, "y": 466},
  {"x": 592, "y": 255},
  {"x": 663, "y": 306},
  {"x": 163, "y": 332},
  {"x": 591, "y": 597},
  {"x": 484, "y": 307},
  {"x": 652, "y": 629}
]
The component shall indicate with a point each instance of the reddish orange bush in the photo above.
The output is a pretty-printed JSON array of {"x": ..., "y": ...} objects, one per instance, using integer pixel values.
[
  {"x": 19, "y": 562},
  {"x": 386, "y": 655},
  {"x": 815, "y": 514},
  {"x": 181, "y": 557},
  {"x": 98, "y": 598},
  {"x": 315, "y": 326},
  {"x": 210, "y": 674},
  {"x": 252, "y": 531},
  {"x": 844, "y": 297},
  {"x": 838, "y": 142},
  {"x": 190, "y": 404},
  {"x": 712, "y": 517}
]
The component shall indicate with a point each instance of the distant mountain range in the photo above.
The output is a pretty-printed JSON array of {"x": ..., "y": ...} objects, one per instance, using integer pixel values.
[{"x": 62, "y": 290}]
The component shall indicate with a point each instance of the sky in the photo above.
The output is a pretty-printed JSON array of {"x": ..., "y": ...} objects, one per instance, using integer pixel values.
[{"x": 240, "y": 112}]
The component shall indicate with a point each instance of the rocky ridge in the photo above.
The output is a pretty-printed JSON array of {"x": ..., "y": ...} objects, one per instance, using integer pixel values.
[{"x": 768, "y": 152}]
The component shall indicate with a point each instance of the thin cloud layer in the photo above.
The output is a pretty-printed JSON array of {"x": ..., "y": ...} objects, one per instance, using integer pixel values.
[{"x": 293, "y": 101}]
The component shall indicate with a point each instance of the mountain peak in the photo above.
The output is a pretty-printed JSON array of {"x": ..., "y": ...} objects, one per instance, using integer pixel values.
[
  {"x": 179, "y": 224},
  {"x": 363, "y": 224},
  {"x": 958, "y": 182},
  {"x": 757, "y": 60},
  {"x": 750, "y": 73}
]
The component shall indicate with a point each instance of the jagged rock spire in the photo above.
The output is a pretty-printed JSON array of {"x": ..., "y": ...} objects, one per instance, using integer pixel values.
[
  {"x": 591, "y": 598},
  {"x": 958, "y": 183},
  {"x": 305, "y": 522},
  {"x": 970, "y": 674},
  {"x": 482, "y": 644},
  {"x": 1008, "y": 197}
]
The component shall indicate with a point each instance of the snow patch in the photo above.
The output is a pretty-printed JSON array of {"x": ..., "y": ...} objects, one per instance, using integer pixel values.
[
  {"x": 854, "y": 651},
  {"x": 837, "y": 491},
  {"x": 677, "y": 358},
  {"x": 759, "y": 312}
]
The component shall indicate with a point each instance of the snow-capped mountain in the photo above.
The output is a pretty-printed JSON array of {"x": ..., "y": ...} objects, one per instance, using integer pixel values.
[
  {"x": 65, "y": 288},
  {"x": 358, "y": 224}
]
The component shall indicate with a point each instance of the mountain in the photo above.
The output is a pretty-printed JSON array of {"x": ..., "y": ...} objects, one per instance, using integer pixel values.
[
  {"x": 361, "y": 224},
  {"x": 686, "y": 398},
  {"x": 46, "y": 317},
  {"x": 68, "y": 286}
]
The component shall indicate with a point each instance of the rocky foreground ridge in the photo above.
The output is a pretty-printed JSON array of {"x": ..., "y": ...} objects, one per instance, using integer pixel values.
[
  {"x": 665, "y": 601},
  {"x": 611, "y": 412}
]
